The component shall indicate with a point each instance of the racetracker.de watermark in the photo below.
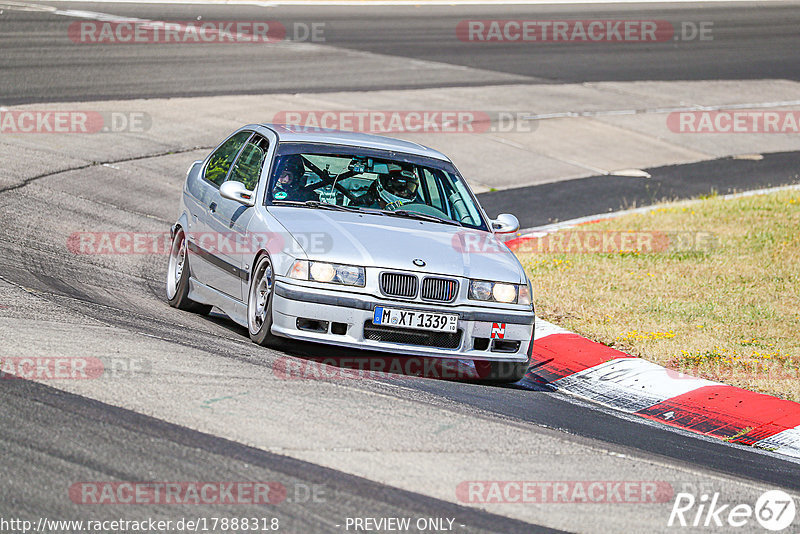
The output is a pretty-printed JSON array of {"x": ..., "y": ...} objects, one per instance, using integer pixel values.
[
  {"x": 564, "y": 492},
  {"x": 582, "y": 31},
  {"x": 379, "y": 367},
  {"x": 71, "y": 368},
  {"x": 186, "y": 493},
  {"x": 73, "y": 122},
  {"x": 407, "y": 121},
  {"x": 761, "y": 121},
  {"x": 134, "y": 31},
  {"x": 589, "y": 242},
  {"x": 137, "y": 243}
]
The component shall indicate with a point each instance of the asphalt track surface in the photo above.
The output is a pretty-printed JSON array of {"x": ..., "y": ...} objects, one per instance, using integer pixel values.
[
  {"x": 113, "y": 441},
  {"x": 40, "y": 63},
  {"x": 51, "y": 438}
]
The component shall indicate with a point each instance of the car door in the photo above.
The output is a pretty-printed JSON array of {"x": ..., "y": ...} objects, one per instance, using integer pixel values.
[
  {"x": 203, "y": 200},
  {"x": 230, "y": 219}
]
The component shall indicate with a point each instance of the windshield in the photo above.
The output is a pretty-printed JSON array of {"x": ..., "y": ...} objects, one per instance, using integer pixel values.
[{"x": 390, "y": 182}]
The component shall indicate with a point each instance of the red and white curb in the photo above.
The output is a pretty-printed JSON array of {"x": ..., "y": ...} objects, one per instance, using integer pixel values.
[{"x": 593, "y": 371}]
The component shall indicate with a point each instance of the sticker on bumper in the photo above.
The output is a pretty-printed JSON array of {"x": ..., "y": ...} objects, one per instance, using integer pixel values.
[{"x": 498, "y": 330}]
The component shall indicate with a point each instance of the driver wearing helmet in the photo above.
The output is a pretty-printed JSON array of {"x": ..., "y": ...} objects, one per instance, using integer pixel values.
[
  {"x": 390, "y": 191},
  {"x": 290, "y": 184}
]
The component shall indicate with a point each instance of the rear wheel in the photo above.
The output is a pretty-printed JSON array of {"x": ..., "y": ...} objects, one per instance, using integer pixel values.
[
  {"x": 259, "y": 303},
  {"x": 178, "y": 277}
]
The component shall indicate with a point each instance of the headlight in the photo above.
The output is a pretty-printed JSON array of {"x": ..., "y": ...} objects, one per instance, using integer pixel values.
[
  {"x": 350, "y": 275},
  {"x": 499, "y": 292},
  {"x": 480, "y": 290},
  {"x": 322, "y": 272},
  {"x": 504, "y": 293},
  {"x": 333, "y": 273}
]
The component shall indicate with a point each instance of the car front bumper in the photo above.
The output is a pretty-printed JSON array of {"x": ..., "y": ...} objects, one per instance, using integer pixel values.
[{"x": 345, "y": 319}]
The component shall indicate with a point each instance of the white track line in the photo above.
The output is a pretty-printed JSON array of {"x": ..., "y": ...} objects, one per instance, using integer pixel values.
[{"x": 414, "y": 3}]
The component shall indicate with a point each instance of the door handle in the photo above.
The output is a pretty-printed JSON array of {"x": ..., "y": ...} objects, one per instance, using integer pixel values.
[{"x": 212, "y": 207}]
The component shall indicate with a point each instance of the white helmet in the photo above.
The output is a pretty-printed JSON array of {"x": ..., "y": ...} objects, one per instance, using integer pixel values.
[{"x": 397, "y": 188}]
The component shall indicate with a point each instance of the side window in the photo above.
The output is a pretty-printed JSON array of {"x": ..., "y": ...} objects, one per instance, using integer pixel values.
[
  {"x": 247, "y": 168},
  {"x": 464, "y": 208},
  {"x": 220, "y": 161},
  {"x": 432, "y": 186}
]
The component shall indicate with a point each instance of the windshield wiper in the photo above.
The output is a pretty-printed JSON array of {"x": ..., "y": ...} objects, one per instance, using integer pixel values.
[
  {"x": 422, "y": 217},
  {"x": 318, "y": 205},
  {"x": 326, "y": 206}
]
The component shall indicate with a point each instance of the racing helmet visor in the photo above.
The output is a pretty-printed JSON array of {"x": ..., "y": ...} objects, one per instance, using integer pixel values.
[{"x": 403, "y": 184}]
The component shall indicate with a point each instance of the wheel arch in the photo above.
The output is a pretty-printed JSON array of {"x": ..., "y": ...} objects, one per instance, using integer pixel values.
[
  {"x": 181, "y": 224},
  {"x": 260, "y": 254}
]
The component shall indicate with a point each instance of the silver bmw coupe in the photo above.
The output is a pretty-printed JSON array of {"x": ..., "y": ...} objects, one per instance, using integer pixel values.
[{"x": 349, "y": 239}]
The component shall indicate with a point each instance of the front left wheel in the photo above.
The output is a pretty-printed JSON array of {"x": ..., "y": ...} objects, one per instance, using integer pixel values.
[
  {"x": 259, "y": 303},
  {"x": 178, "y": 277}
]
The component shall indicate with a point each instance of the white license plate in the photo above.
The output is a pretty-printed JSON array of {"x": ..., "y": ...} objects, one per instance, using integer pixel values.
[{"x": 441, "y": 322}]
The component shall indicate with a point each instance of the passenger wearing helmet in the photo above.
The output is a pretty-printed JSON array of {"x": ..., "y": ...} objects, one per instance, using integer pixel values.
[
  {"x": 390, "y": 191},
  {"x": 291, "y": 183}
]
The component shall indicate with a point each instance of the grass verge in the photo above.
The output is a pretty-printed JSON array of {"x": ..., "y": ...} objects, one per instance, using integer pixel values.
[{"x": 710, "y": 288}]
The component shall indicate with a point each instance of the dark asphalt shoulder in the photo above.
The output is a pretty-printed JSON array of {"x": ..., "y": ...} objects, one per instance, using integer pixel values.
[{"x": 570, "y": 199}]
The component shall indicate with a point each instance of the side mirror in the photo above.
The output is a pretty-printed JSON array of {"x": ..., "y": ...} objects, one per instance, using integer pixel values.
[
  {"x": 505, "y": 223},
  {"x": 238, "y": 192}
]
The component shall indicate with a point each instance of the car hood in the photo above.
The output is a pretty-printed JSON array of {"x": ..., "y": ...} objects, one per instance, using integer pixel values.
[{"x": 394, "y": 243}]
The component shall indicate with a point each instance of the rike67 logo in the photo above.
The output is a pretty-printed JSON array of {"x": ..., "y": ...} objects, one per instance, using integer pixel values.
[{"x": 774, "y": 510}]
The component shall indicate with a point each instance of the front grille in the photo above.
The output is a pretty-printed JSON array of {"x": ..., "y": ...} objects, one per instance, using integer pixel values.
[
  {"x": 399, "y": 285},
  {"x": 439, "y": 289},
  {"x": 422, "y": 338}
]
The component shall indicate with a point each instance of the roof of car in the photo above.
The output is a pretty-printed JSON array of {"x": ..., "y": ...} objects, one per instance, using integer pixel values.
[{"x": 306, "y": 134}]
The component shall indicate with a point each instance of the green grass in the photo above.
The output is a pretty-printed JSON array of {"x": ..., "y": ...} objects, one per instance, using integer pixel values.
[{"x": 721, "y": 300}]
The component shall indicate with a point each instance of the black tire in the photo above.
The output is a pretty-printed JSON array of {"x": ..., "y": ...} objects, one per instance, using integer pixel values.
[
  {"x": 259, "y": 303},
  {"x": 178, "y": 273},
  {"x": 508, "y": 372},
  {"x": 511, "y": 372}
]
